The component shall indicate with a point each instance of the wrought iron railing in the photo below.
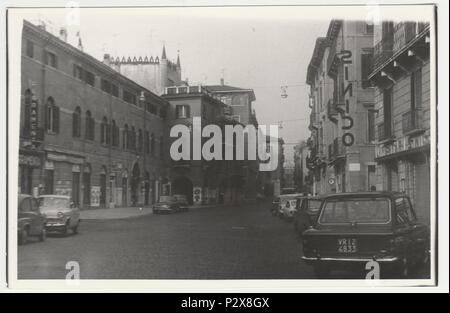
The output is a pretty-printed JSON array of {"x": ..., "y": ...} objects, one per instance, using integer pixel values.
[{"x": 382, "y": 51}]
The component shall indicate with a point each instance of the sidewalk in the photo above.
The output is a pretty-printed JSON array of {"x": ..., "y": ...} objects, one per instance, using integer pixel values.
[{"x": 125, "y": 212}]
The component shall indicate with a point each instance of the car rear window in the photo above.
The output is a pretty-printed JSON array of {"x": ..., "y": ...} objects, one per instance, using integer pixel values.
[
  {"x": 314, "y": 206},
  {"x": 356, "y": 210}
]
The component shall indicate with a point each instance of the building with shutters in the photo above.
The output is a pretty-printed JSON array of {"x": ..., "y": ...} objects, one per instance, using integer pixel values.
[
  {"x": 401, "y": 73},
  {"x": 342, "y": 140},
  {"x": 86, "y": 130},
  {"x": 203, "y": 181}
]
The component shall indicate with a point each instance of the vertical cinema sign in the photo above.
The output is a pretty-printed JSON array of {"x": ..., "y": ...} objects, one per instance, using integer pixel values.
[
  {"x": 33, "y": 118},
  {"x": 347, "y": 138}
]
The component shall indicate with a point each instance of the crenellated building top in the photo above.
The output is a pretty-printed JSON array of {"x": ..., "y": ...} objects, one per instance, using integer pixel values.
[{"x": 140, "y": 60}]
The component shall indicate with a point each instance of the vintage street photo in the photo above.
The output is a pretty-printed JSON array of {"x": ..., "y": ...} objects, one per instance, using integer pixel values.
[{"x": 222, "y": 143}]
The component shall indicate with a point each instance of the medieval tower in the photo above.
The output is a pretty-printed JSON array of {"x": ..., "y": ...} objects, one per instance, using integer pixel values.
[{"x": 152, "y": 73}]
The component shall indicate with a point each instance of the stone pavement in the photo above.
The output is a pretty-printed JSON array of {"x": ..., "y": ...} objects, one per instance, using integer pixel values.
[{"x": 124, "y": 212}]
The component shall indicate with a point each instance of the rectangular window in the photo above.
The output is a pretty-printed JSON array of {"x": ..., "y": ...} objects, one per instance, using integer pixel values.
[
  {"x": 49, "y": 182},
  {"x": 51, "y": 59},
  {"x": 30, "y": 49},
  {"x": 114, "y": 90},
  {"x": 387, "y": 112},
  {"x": 78, "y": 72},
  {"x": 416, "y": 89},
  {"x": 129, "y": 97},
  {"x": 105, "y": 85},
  {"x": 369, "y": 28},
  {"x": 237, "y": 118},
  {"x": 183, "y": 111},
  {"x": 371, "y": 126},
  {"x": 366, "y": 68},
  {"x": 89, "y": 78}
]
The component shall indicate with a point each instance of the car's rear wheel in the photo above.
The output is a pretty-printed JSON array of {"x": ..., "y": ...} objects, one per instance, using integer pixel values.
[
  {"x": 23, "y": 236},
  {"x": 321, "y": 272},
  {"x": 43, "y": 235}
]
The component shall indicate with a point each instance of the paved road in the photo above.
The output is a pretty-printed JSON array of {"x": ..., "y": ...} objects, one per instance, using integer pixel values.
[{"x": 213, "y": 243}]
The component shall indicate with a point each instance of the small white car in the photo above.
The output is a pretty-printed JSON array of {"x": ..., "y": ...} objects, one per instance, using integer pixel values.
[
  {"x": 288, "y": 205},
  {"x": 62, "y": 215}
]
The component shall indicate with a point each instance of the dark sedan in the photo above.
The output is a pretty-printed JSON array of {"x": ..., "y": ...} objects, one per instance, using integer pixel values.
[
  {"x": 170, "y": 204},
  {"x": 308, "y": 209},
  {"x": 30, "y": 220},
  {"x": 355, "y": 228}
]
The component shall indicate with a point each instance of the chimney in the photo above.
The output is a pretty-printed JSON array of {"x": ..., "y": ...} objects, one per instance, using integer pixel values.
[
  {"x": 63, "y": 34},
  {"x": 107, "y": 59},
  {"x": 222, "y": 82}
]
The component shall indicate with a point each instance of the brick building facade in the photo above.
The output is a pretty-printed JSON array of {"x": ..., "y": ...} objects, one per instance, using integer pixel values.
[{"x": 87, "y": 131}]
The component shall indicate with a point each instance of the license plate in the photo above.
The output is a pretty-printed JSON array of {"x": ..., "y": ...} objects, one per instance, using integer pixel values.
[{"x": 347, "y": 245}]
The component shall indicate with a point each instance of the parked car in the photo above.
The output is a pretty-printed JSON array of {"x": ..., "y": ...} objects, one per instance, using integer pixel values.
[
  {"x": 287, "y": 207},
  {"x": 355, "y": 228},
  {"x": 62, "y": 214},
  {"x": 168, "y": 205},
  {"x": 308, "y": 209},
  {"x": 30, "y": 220}
]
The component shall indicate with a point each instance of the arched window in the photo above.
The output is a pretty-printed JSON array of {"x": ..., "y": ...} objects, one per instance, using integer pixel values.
[
  {"x": 132, "y": 138},
  {"x": 152, "y": 144},
  {"x": 125, "y": 135},
  {"x": 90, "y": 126},
  {"x": 140, "y": 140},
  {"x": 76, "y": 122},
  {"x": 147, "y": 142},
  {"x": 114, "y": 133},
  {"x": 161, "y": 146},
  {"x": 52, "y": 118},
  {"x": 104, "y": 131}
]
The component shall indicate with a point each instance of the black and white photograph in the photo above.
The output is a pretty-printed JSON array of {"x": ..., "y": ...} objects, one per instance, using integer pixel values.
[{"x": 222, "y": 144}]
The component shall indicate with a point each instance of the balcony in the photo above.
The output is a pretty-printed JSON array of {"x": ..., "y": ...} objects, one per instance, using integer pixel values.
[
  {"x": 383, "y": 51},
  {"x": 405, "y": 32},
  {"x": 412, "y": 122}
]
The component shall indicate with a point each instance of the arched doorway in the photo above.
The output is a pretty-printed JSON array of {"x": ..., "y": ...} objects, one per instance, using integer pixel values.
[
  {"x": 135, "y": 177},
  {"x": 183, "y": 186}
]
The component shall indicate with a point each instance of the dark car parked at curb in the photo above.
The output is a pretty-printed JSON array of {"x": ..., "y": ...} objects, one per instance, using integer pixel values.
[
  {"x": 170, "y": 204},
  {"x": 355, "y": 228},
  {"x": 308, "y": 209},
  {"x": 30, "y": 220}
]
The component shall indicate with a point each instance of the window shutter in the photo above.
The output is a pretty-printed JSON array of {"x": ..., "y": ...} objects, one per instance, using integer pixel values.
[
  {"x": 55, "y": 119},
  {"x": 108, "y": 134},
  {"x": 74, "y": 125},
  {"x": 418, "y": 88},
  {"x": 188, "y": 111},
  {"x": 177, "y": 111}
]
